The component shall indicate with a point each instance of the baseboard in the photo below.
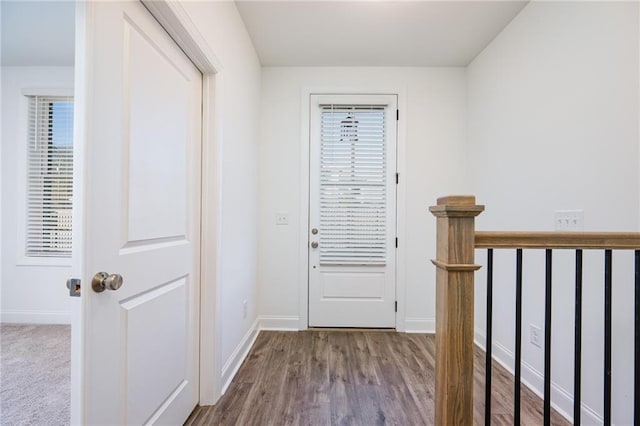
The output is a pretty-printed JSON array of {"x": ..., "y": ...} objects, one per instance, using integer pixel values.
[
  {"x": 561, "y": 399},
  {"x": 238, "y": 355},
  {"x": 420, "y": 325},
  {"x": 480, "y": 339},
  {"x": 279, "y": 323},
  {"x": 292, "y": 323},
  {"x": 35, "y": 317}
]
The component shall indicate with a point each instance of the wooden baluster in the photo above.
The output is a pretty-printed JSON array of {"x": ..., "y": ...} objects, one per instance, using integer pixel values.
[{"x": 454, "y": 308}]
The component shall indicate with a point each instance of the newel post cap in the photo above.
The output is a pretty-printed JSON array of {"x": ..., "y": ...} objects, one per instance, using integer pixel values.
[{"x": 457, "y": 206}]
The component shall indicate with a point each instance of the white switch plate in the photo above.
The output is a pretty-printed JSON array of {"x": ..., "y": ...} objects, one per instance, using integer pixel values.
[
  {"x": 282, "y": 218},
  {"x": 569, "y": 220}
]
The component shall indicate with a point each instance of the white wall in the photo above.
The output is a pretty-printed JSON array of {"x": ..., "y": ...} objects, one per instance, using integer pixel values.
[
  {"x": 1, "y": 171},
  {"x": 552, "y": 125},
  {"x": 239, "y": 87},
  {"x": 432, "y": 142},
  {"x": 30, "y": 293}
]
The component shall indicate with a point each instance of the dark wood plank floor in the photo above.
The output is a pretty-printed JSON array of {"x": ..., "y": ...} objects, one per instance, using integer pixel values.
[{"x": 351, "y": 378}]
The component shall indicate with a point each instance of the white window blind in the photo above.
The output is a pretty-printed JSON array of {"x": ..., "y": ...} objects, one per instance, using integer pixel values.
[
  {"x": 49, "y": 177},
  {"x": 353, "y": 179}
]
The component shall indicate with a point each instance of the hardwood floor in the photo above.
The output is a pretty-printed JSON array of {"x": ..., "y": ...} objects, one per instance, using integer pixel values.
[{"x": 351, "y": 378}]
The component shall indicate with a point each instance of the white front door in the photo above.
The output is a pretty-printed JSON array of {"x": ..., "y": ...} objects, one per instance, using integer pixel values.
[
  {"x": 140, "y": 201},
  {"x": 352, "y": 211}
]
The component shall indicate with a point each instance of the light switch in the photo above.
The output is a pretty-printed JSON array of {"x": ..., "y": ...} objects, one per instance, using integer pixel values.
[
  {"x": 282, "y": 218},
  {"x": 569, "y": 220}
]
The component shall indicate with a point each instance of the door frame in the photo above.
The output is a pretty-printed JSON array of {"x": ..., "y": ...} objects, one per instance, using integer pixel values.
[
  {"x": 303, "y": 243},
  {"x": 175, "y": 20}
]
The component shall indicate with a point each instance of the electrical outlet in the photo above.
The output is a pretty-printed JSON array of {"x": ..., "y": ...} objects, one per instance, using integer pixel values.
[
  {"x": 569, "y": 220},
  {"x": 282, "y": 218},
  {"x": 244, "y": 308},
  {"x": 535, "y": 335}
]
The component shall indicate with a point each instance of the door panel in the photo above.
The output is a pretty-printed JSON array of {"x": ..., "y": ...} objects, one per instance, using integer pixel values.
[
  {"x": 352, "y": 209},
  {"x": 142, "y": 220},
  {"x": 154, "y": 325},
  {"x": 351, "y": 285},
  {"x": 150, "y": 78}
]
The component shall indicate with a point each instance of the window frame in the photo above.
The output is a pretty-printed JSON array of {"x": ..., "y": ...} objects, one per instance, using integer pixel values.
[{"x": 23, "y": 169}]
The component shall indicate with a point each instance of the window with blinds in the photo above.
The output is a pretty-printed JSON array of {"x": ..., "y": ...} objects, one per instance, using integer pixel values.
[
  {"x": 353, "y": 179},
  {"x": 49, "y": 177}
]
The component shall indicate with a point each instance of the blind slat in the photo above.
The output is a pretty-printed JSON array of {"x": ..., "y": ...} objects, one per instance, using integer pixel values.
[
  {"x": 49, "y": 177},
  {"x": 352, "y": 182}
]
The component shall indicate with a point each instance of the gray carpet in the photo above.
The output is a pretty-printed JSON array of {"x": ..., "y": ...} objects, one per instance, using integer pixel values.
[{"x": 34, "y": 374}]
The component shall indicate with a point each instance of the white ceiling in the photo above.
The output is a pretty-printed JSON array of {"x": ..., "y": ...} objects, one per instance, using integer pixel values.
[
  {"x": 298, "y": 32},
  {"x": 374, "y": 33},
  {"x": 37, "y": 33}
]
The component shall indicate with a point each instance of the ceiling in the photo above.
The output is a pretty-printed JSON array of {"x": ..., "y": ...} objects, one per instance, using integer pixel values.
[
  {"x": 298, "y": 32},
  {"x": 374, "y": 33},
  {"x": 37, "y": 33}
]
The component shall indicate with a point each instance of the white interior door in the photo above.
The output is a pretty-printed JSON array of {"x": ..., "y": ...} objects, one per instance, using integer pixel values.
[
  {"x": 352, "y": 211},
  {"x": 140, "y": 203}
]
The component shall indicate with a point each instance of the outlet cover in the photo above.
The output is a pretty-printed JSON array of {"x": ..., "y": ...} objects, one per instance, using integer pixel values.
[{"x": 535, "y": 335}]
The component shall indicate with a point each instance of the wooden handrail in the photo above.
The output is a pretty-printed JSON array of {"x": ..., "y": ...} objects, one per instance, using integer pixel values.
[
  {"x": 456, "y": 244},
  {"x": 558, "y": 240}
]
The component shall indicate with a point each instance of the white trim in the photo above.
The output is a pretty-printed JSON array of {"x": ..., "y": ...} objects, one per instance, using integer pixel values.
[
  {"x": 21, "y": 182},
  {"x": 211, "y": 240},
  {"x": 83, "y": 88},
  {"x": 279, "y": 323},
  {"x": 35, "y": 317},
  {"x": 303, "y": 259},
  {"x": 420, "y": 325},
  {"x": 401, "y": 209},
  {"x": 47, "y": 91},
  {"x": 176, "y": 21},
  {"x": 238, "y": 355},
  {"x": 303, "y": 243},
  {"x": 561, "y": 399},
  {"x": 45, "y": 262}
]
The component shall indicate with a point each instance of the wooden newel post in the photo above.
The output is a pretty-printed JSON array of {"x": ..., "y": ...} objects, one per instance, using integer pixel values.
[{"x": 454, "y": 308}]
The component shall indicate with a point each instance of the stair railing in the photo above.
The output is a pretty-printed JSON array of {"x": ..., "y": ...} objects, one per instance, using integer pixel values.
[{"x": 456, "y": 244}]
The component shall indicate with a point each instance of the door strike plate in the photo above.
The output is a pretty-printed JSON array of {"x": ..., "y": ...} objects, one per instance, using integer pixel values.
[{"x": 73, "y": 284}]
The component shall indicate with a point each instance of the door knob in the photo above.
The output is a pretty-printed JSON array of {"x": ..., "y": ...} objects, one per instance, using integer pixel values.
[
  {"x": 314, "y": 231},
  {"x": 314, "y": 244},
  {"x": 103, "y": 281}
]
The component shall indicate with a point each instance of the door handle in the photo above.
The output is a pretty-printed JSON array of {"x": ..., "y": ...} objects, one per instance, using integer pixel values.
[
  {"x": 103, "y": 281},
  {"x": 314, "y": 244}
]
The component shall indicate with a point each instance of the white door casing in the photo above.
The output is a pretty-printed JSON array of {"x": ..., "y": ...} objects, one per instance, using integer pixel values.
[
  {"x": 141, "y": 213},
  {"x": 352, "y": 205}
]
